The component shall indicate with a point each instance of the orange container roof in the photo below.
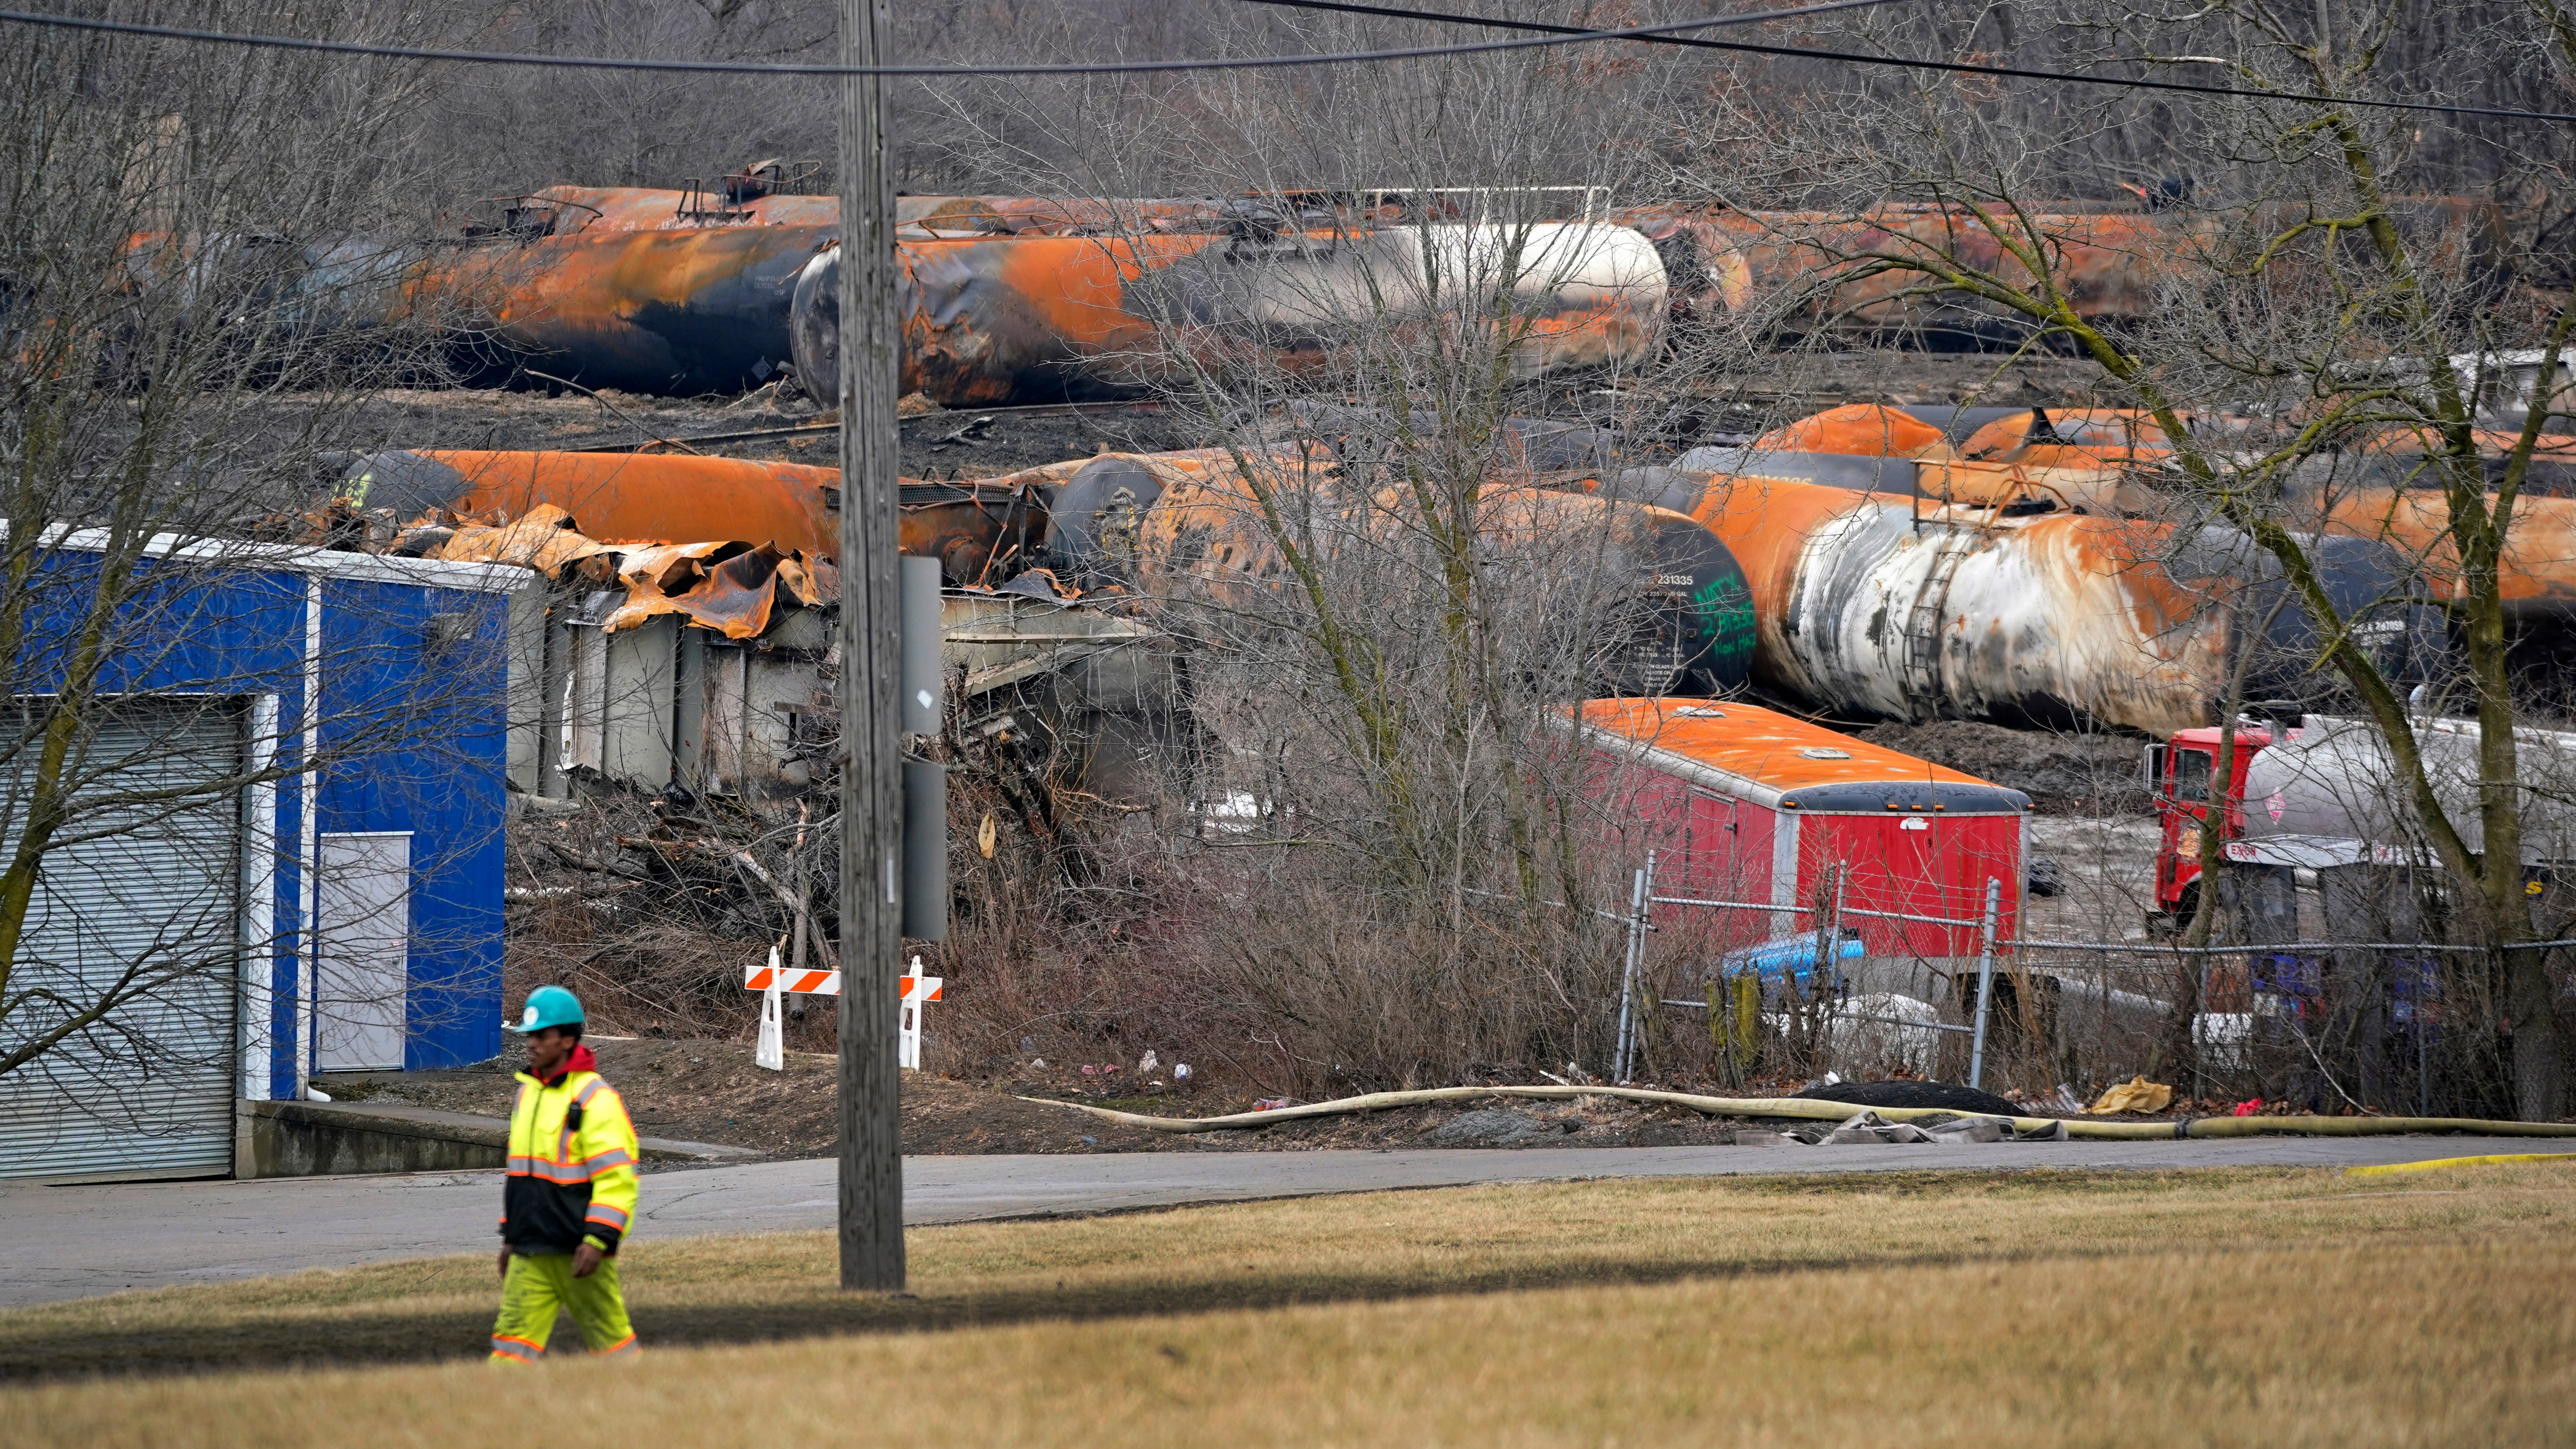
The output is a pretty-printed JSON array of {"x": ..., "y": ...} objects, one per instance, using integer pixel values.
[{"x": 1785, "y": 763}]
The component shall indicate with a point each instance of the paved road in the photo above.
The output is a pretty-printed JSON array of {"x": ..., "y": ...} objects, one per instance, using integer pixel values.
[{"x": 71, "y": 1242}]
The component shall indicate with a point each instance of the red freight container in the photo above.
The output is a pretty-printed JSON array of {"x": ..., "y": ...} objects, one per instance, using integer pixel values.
[{"x": 1746, "y": 804}]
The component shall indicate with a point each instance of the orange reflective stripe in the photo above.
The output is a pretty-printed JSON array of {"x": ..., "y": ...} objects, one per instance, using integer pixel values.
[
  {"x": 612, "y": 1157},
  {"x": 623, "y": 1345},
  {"x": 589, "y": 1090},
  {"x": 601, "y": 1212}
]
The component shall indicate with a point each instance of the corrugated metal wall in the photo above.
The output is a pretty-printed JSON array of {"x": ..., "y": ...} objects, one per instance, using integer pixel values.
[{"x": 149, "y": 1092}]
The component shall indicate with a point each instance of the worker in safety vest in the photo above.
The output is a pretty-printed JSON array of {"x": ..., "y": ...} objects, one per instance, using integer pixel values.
[{"x": 570, "y": 1195}]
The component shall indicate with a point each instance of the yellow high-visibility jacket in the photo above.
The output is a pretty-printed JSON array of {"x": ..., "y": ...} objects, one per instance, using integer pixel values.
[{"x": 572, "y": 1164}]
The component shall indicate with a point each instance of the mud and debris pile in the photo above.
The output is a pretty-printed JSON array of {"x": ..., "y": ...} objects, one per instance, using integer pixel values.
[{"x": 2064, "y": 772}]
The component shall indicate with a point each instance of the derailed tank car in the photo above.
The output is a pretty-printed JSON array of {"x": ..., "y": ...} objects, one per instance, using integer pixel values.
[
  {"x": 1669, "y": 609},
  {"x": 1043, "y": 318},
  {"x": 671, "y": 311},
  {"x": 1874, "y": 602},
  {"x": 981, "y": 532}
]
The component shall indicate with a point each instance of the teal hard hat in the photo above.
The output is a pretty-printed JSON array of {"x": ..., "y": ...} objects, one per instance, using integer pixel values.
[{"x": 548, "y": 1006}]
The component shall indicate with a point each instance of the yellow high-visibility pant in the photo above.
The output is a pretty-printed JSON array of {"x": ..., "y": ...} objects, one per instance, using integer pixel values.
[{"x": 537, "y": 1287}]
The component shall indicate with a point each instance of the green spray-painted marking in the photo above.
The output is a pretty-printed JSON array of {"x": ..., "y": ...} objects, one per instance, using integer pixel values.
[{"x": 1725, "y": 609}]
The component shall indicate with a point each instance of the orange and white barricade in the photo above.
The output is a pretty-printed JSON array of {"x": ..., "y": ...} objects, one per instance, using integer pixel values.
[
  {"x": 780, "y": 978},
  {"x": 917, "y": 989},
  {"x": 772, "y": 1051},
  {"x": 773, "y": 981}
]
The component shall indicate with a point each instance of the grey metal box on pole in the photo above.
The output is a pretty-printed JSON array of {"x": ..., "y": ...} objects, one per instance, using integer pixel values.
[
  {"x": 921, "y": 676},
  {"x": 925, "y": 781}
]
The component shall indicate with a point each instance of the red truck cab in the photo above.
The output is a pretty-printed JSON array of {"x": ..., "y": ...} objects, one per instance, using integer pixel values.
[{"x": 2181, "y": 775}]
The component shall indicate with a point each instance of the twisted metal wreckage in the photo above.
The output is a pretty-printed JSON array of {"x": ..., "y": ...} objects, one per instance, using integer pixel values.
[
  {"x": 1069, "y": 593},
  {"x": 676, "y": 648},
  {"x": 2371, "y": 492},
  {"x": 1947, "y": 591},
  {"x": 1863, "y": 563},
  {"x": 2023, "y": 591}
]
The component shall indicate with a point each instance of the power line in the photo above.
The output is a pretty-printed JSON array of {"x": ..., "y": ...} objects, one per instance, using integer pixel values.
[
  {"x": 1954, "y": 66},
  {"x": 1557, "y": 35},
  {"x": 1549, "y": 35}
]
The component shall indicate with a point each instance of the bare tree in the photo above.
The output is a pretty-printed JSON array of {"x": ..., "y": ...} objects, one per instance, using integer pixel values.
[
  {"x": 1388, "y": 858},
  {"x": 199, "y": 252}
]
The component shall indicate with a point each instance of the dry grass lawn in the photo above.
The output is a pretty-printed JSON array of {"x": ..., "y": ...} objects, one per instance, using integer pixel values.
[{"x": 2275, "y": 1308}]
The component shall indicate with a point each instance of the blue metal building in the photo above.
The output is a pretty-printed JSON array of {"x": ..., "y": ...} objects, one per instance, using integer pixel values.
[{"x": 293, "y": 832}]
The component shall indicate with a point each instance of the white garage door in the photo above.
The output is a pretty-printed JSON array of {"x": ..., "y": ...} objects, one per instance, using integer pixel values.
[
  {"x": 150, "y": 897},
  {"x": 360, "y": 982}
]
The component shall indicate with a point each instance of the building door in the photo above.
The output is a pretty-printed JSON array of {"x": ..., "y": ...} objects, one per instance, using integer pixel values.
[
  {"x": 143, "y": 905},
  {"x": 363, "y": 978}
]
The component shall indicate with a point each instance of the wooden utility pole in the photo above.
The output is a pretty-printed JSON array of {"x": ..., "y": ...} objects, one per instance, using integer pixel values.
[{"x": 872, "y": 763}]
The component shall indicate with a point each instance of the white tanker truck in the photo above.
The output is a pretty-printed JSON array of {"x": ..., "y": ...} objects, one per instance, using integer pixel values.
[
  {"x": 2325, "y": 795},
  {"x": 2329, "y": 795}
]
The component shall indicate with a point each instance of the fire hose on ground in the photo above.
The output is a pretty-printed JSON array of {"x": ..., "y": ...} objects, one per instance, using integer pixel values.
[{"x": 2188, "y": 1128}]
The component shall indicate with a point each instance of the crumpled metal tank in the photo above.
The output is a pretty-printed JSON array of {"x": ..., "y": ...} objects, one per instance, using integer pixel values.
[
  {"x": 998, "y": 320},
  {"x": 2536, "y": 576},
  {"x": 1886, "y": 605},
  {"x": 716, "y": 309},
  {"x": 980, "y": 531},
  {"x": 2034, "y": 437},
  {"x": 666, "y": 311},
  {"x": 1047, "y": 318},
  {"x": 1863, "y": 430},
  {"x": 2382, "y": 489},
  {"x": 2082, "y": 470},
  {"x": 2099, "y": 436},
  {"x": 2107, "y": 459},
  {"x": 2015, "y": 488},
  {"x": 1707, "y": 274},
  {"x": 1584, "y": 295},
  {"x": 1186, "y": 525}
]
